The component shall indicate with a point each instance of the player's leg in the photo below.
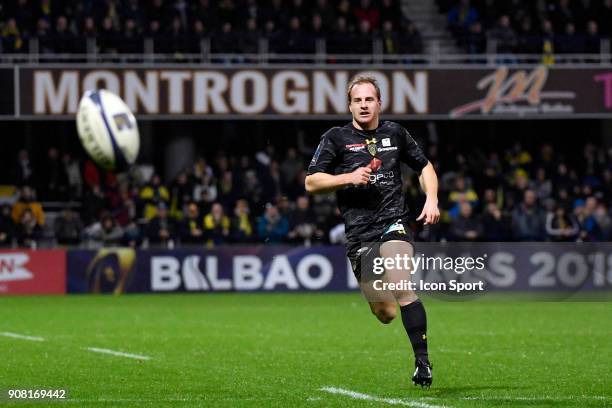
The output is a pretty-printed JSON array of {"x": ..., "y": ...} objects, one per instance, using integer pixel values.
[
  {"x": 385, "y": 312},
  {"x": 412, "y": 310},
  {"x": 382, "y": 303}
]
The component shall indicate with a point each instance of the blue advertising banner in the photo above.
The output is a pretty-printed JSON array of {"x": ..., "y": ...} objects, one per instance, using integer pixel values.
[
  {"x": 240, "y": 269},
  {"x": 439, "y": 267}
]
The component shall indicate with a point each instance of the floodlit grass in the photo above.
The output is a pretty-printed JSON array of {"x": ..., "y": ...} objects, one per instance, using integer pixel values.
[{"x": 282, "y": 349}]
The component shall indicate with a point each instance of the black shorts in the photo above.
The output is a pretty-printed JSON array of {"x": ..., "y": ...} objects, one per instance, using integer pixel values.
[{"x": 362, "y": 254}]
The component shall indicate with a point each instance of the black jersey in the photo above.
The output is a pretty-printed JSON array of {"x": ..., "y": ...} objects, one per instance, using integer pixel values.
[{"x": 369, "y": 209}]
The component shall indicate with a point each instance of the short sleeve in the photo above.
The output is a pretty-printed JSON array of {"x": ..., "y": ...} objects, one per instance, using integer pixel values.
[
  {"x": 412, "y": 154},
  {"x": 324, "y": 155}
]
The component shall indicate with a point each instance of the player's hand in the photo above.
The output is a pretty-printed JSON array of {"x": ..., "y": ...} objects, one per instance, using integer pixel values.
[
  {"x": 430, "y": 213},
  {"x": 360, "y": 176}
]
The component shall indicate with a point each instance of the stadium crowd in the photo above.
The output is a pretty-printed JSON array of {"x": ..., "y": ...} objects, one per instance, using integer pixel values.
[
  {"x": 530, "y": 27},
  {"x": 233, "y": 26},
  {"x": 516, "y": 194}
]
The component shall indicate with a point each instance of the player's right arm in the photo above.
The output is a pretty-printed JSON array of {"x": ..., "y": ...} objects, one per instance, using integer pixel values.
[
  {"x": 319, "y": 183},
  {"x": 321, "y": 178}
]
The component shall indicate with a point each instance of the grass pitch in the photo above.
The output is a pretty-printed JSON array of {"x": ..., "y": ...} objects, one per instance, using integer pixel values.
[{"x": 309, "y": 350}]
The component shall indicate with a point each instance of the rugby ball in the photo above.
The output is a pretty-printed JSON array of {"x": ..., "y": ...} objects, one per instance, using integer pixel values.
[{"x": 108, "y": 130}]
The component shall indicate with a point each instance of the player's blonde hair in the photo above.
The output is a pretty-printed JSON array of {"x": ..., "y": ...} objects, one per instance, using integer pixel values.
[{"x": 363, "y": 79}]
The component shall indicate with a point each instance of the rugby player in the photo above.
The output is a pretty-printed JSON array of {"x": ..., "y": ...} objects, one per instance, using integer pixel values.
[{"x": 360, "y": 161}]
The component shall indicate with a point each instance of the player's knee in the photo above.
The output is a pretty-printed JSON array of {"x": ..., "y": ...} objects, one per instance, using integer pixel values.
[{"x": 385, "y": 314}]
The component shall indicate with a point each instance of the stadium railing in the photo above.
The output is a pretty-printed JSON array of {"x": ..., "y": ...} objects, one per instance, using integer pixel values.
[{"x": 435, "y": 54}]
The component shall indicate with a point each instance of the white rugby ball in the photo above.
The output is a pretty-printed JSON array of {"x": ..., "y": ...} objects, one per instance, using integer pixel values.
[{"x": 108, "y": 130}]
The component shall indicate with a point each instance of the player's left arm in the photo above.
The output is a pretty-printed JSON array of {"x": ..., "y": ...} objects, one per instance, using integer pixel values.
[
  {"x": 429, "y": 183},
  {"x": 412, "y": 154}
]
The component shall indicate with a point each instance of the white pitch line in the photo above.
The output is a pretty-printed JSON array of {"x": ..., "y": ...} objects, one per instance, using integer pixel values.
[
  {"x": 117, "y": 353},
  {"x": 367, "y": 397},
  {"x": 21, "y": 336}
]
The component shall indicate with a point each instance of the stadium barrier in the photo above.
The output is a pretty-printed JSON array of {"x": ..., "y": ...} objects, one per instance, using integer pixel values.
[{"x": 506, "y": 267}]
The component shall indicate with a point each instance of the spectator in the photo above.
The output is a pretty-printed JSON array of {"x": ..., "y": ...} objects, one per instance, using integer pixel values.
[
  {"x": 131, "y": 41},
  {"x": 466, "y": 227},
  {"x": 68, "y": 227},
  {"x": 226, "y": 12},
  {"x": 109, "y": 37},
  {"x": 317, "y": 29},
  {"x": 475, "y": 41},
  {"x": 241, "y": 223},
  {"x": 72, "y": 174},
  {"x": 546, "y": 43},
  {"x": 159, "y": 12},
  {"x": 343, "y": 10},
  {"x": 604, "y": 221},
  {"x": 174, "y": 39},
  {"x": 496, "y": 226},
  {"x": 390, "y": 11},
  {"x": 584, "y": 211},
  {"x": 323, "y": 9},
  {"x": 225, "y": 41},
  {"x": 302, "y": 223},
  {"x": 161, "y": 229},
  {"x": 410, "y": 39},
  {"x": 53, "y": 181},
  {"x": 341, "y": 39},
  {"x": 216, "y": 225},
  {"x": 7, "y": 227},
  {"x": 561, "y": 226},
  {"x": 23, "y": 171},
  {"x": 542, "y": 185},
  {"x": 592, "y": 40},
  {"x": 276, "y": 13},
  {"x": 367, "y": 12},
  {"x": 63, "y": 39},
  {"x": 28, "y": 231},
  {"x": 45, "y": 43},
  {"x": 249, "y": 39},
  {"x": 105, "y": 232},
  {"x": 526, "y": 38},
  {"x": 12, "y": 41},
  {"x": 198, "y": 36},
  {"x": 461, "y": 193},
  {"x": 192, "y": 226},
  {"x": 570, "y": 42},
  {"x": 504, "y": 36},
  {"x": 205, "y": 12},
  {"x": 561, "y": 15},
  {"x": 337, "y": 233},
  {"x": 389, "y": 37},
  {"x": 272, "y": 226},
  {"x": 132, "y": 11},
  {"x": 362, "y": 42},
  {"x": 294, "y": 40},
  {"x": 24, "y": 16},
  {"x": 528, "y": 222},
  {"x": 461, "y": 17},
  {"x": 152, "y": 195},
  {"x": 94, "y": 203},
  {"x": 27, "y": 201}
]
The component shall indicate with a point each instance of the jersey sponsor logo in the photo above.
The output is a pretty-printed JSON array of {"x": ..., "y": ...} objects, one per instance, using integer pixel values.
[
  {"x": 355, "y": 147},
  {"x": 386, "y": 142},
  {"x": 387, "y": 149},
  {"x": 382, "y": 178}
]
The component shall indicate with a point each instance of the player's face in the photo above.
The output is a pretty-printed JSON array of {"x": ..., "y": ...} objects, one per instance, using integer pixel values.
[{"x": 365, "y": 106}]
